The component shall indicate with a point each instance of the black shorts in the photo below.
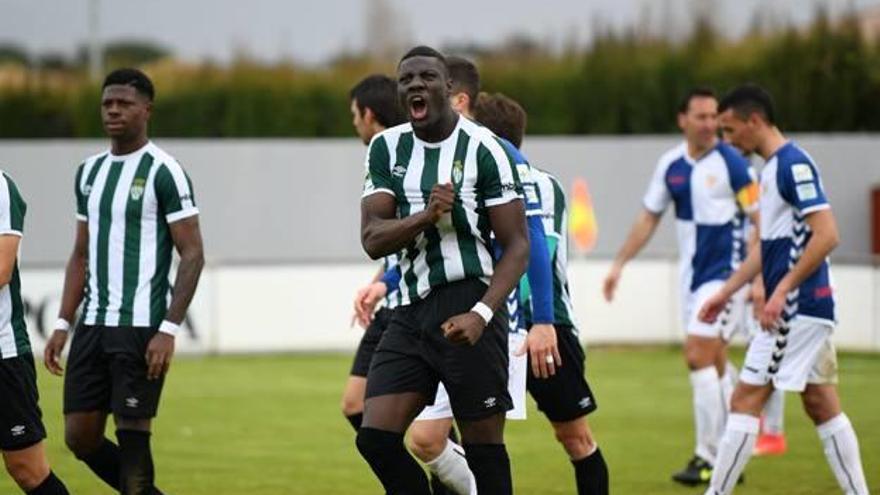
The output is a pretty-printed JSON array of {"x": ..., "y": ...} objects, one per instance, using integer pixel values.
[
  {"x": 414, "y": 356},
  {"x": 107, "y": 371},
  {"x": 21, "y": 423},
  {"x": 369, "y": 341},
  {"x": 566, "y": 395}
]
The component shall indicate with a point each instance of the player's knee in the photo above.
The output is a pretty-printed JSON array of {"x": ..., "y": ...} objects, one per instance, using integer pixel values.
[
  {"x": 352, "y": 405},
  {"x": 426, "y": 445},
  {"x": 81, "y": 442},
  {"x": 27, "y": 475},
  {"x": 577, "y": 441},
  {"x": 818, "y": 407},
  {"x": 697, "y": 358},
  {"x": 376, "y": 444}
]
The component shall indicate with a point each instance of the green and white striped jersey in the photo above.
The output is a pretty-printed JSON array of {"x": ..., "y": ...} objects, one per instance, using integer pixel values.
[
  {"x": 483, "y": 175},
  {"x": 128, "y": 202},
  {"x": 13, "y": 329},
  {"x": 555, "y": 218}
]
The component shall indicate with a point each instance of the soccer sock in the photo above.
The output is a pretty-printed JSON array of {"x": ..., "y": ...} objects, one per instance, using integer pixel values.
[
  {"x": 728, "y": 383},
  {"x": 387, "y": 456},
  {"x": 734, "y": 452},
  {"x": 451, "y": 468},
  {"x": 104, "y": 462},
  {"x": 591, "y": 474},
  {"x": 774, "y": 413},
  {"x": 842, "y": 451},
  {"x": 708, "y": 411},
  {"x": 50, "y": 486},
  {"x": 355, "y": 420},
  {"x": 136, "y": 473},
  {"x": 491, "y": 467}
]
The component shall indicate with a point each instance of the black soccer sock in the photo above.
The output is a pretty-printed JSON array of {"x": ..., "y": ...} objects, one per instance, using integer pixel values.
[
  {"x": 491, "y": 467},
  {"x": 355, "y": 420},
  {"x": 591, "y": 474},
  {"x": 105, "y": 463},
  {"x": 50, "y": 486},
  {"x": 399, "y": 473},
  {"x": 136, "y": 462}
]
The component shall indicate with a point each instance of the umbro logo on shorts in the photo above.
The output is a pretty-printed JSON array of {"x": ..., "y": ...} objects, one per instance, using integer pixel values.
[
  {"x": 132, "y": 402},
  {"x": 490, "y": 402},
  {"x": 17, "y": 430}
]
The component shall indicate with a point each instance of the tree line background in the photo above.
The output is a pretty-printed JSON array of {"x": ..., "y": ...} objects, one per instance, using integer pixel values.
[{"x": 825, "y": 78}]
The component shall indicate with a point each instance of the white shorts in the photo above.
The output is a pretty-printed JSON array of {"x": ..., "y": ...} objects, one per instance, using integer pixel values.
[
  {"x": 731, "y": 320},
  {"x": 516, "y": 385},
  {"x": 807, "y": 356}
]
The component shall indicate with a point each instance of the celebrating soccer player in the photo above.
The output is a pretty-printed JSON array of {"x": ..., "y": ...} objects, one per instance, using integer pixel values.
[
  {"x": 713, "y": 190},
  {"x": 134, "y": 205},
  {"x": 794, "y": 352},
  {"x": 435, "y": 189}
]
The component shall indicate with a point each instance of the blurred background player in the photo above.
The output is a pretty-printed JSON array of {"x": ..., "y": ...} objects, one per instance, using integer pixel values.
[
  {"x": 135, "y": 205},
  {"x": 21, "y": 425},
  {"x": 428, "y": 435},
  {"x": 798, "y": 232},
  {"x": 435, "y": 189},
  {"x": 374, "y": 108},
  {"x": 713, "y": 189},
  {"x": 558, "y": 385}
]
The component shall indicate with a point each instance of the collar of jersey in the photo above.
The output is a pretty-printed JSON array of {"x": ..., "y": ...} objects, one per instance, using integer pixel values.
[
  {"x": 438, "y": 144},
  {"x": 122, "y": 158}
]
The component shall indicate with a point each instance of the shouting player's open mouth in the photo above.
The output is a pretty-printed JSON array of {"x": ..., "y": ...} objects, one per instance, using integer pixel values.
[{"x": 418, "y": 107}]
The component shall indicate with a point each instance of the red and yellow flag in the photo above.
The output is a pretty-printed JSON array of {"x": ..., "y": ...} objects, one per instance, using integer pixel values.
[{"x": 582, "y": 219}]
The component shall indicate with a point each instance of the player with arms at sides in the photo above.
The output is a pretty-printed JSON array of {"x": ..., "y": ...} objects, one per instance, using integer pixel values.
[
  {"x": 21, "y": 425},
  {"x": 794, "y": 353},
  {"x": 435, "y": 190},
  {"x": 134, "y": 206},
  {"x": 713, "y": 191},
  {"x": 374, "y": 108},
  {"x": 557, "y": 385}
]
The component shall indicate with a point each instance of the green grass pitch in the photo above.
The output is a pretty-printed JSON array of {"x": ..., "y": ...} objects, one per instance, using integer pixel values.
[{"x": 271, "y": 425}]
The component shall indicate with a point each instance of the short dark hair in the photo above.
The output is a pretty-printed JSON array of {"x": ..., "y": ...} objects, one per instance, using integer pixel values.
[
  {"x": 424, "y": 51},
  {"x": 747, "y": 99},
  {"x": 695, "y": 92},
  {"x": 131, "y": 77},
  {"x": 502, "y": 115},
  {"x": 465, "y": 78},
  {"x": 379, "y": 93}
]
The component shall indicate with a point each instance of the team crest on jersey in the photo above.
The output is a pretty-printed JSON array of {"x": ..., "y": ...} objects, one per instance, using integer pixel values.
[
  {"x": 711, "y": 180},
  {"x": 137, "y": 189},
  {"x": 457, "y": 172},
  {"x": 87, "y": 189}
]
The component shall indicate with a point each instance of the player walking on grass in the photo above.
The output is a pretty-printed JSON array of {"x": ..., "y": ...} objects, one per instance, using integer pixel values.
[
  {"x": 134, "y": 206},
  {"x": 374, "y": 108},
  {"x": 428, "y": 435},
  {"x": 435, "y": 190},
  {"x": 794, "y": 352},
  {"x": 713, "y": 191},
  {"x": 21, "y": 425}
]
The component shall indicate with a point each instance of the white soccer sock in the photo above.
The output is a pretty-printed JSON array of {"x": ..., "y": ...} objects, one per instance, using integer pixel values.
[
  {"x": 842, "y": 451},
  {"x": 733, "y": 452},
  {"x": 774, "y": 413},
  {"x": 452, "y": 468},
  {"x": 728, "y": 383},
  {"x": 708, "y": 411}
]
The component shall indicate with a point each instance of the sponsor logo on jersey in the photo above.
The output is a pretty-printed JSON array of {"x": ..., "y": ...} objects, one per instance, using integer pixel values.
[
  {"x": 801, "y": 172},
  {"x": 806, "y": 192},
  {"x": 677, "y": 180}
]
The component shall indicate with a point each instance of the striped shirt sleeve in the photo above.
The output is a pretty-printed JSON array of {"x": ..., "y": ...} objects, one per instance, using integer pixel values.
[
  {"x": 12, "y": 208},
  {"x": 497, "y": 178},
  {"x": 174, "y": 193},
  {"x": 82, "y": 209},
  {"x": 377, "y": 176}
]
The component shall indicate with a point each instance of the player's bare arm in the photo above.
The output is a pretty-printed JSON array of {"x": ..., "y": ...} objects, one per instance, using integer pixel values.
[
  {"x": 187, "y": 239},
  {"x": 71, "y": 297},
  {"x": 509, "y": 224},
  {"x": 824, "y": 239},
  {"x": 382, "y": 233},
  {"x": 639, "y": 235}
]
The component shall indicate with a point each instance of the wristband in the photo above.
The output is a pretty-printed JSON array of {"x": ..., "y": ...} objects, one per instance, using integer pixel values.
[
  {"x": 484, "y": 311},
  {"x": 170, "y": 328},
  {"x": 62, "y": 324}
]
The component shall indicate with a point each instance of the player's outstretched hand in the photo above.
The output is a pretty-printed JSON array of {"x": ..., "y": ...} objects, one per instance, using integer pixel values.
[
  {"x": 365, "y": 302},
  {"x": 543, "y": 350},
  {"x": 465, "y": 328},
  {"x": 52, "y": 352},
  {"x": 609, "y": 286},
  {"x": 441, "y": 200},
  {"x": 771, "y": 316},
  {"x": 159, "y": 353},
  {"x": 712, "y": 308}
]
